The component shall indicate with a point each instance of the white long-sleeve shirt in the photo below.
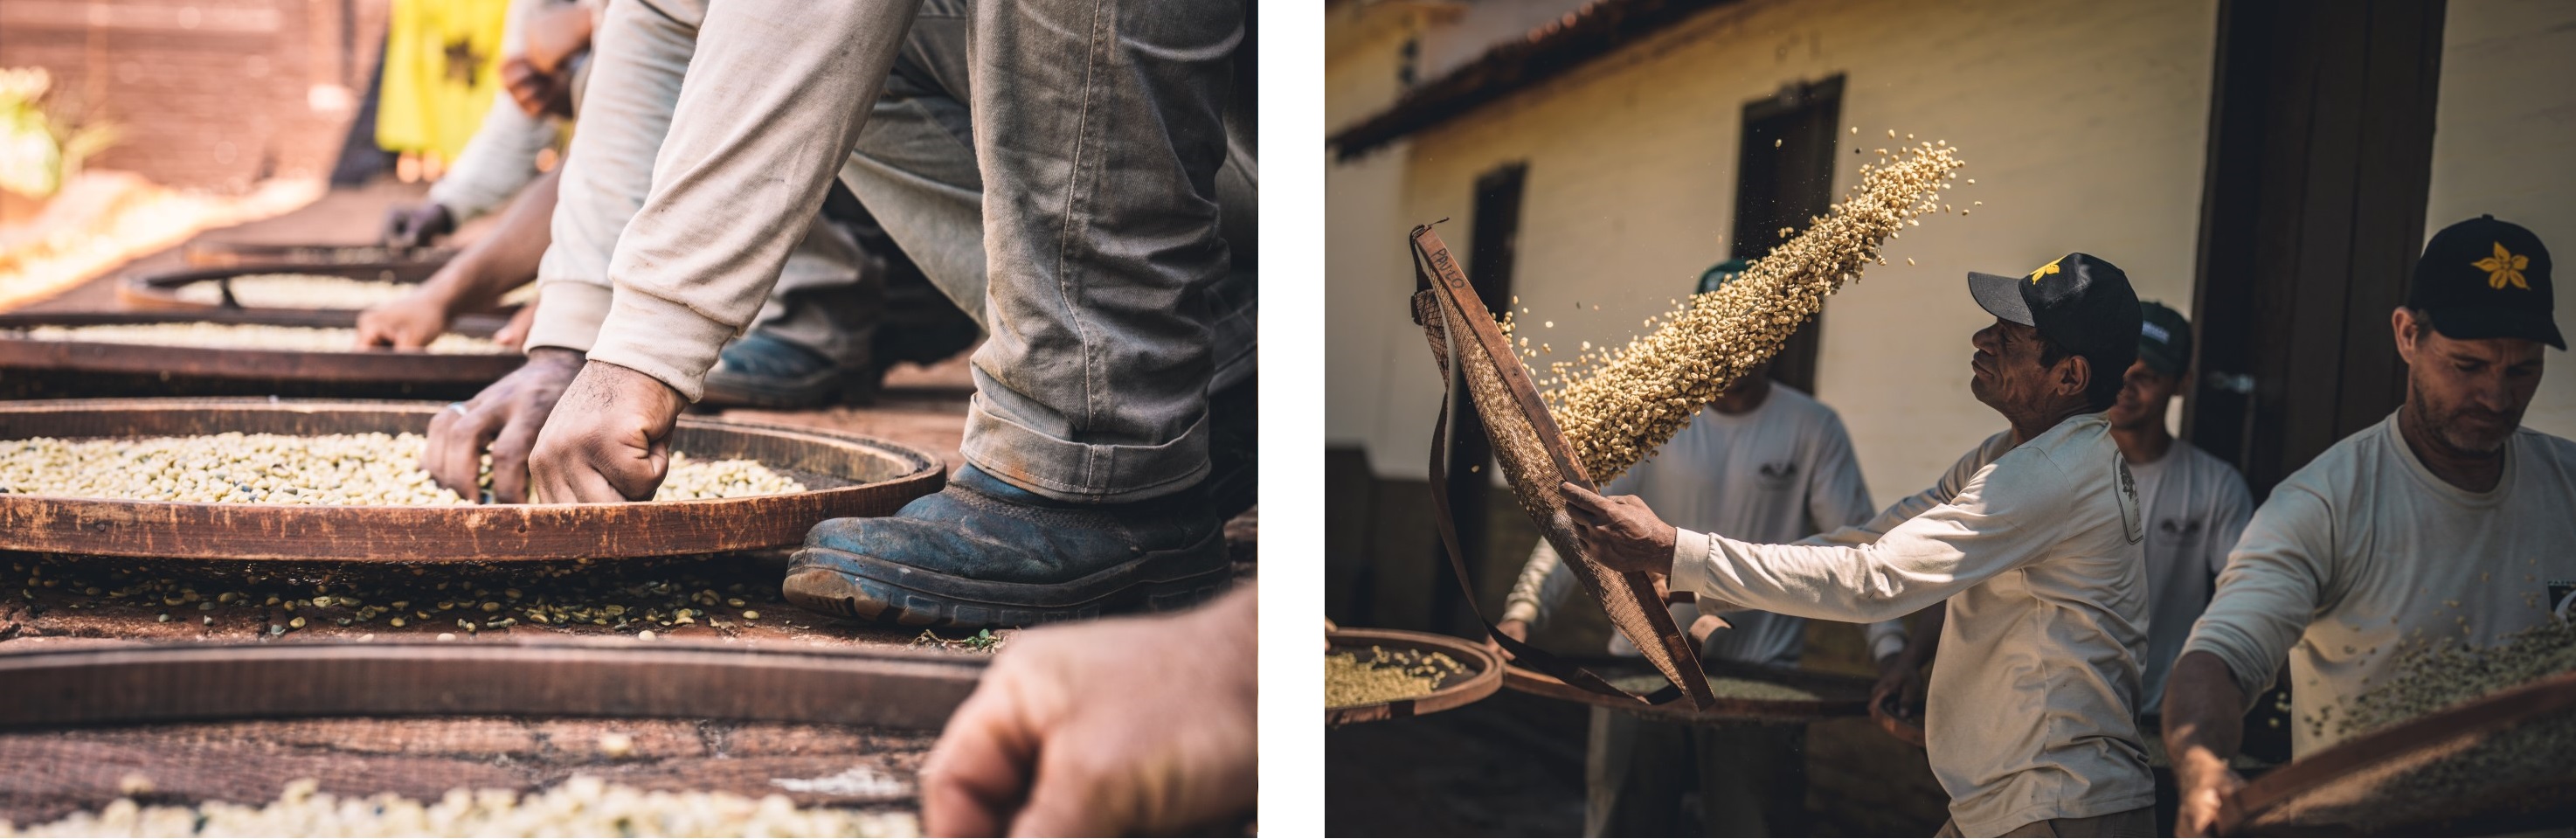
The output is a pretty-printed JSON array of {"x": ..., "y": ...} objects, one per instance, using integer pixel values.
[
  {"x": 708, "y": 171},
  {"x": 1779, "y": 472},
  {"x": 2037, "y": 549},
  {"x": 2364, "y": 552}
]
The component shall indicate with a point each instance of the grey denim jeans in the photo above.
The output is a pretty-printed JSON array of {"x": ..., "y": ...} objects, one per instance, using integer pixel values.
[
  {"x": 1089, "y": 391},
  {"x": 1071, "y": 202}
]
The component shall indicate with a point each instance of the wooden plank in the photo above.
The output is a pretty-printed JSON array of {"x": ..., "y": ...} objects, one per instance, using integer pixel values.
[{"x": 556, "y": 677}]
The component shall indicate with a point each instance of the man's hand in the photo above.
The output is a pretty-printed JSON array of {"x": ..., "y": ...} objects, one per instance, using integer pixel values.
[
  {"x": 505, "y": 416},
  {"x": 408, "y": 323},
  {"x": 2204, "y": 720},
  {"x": 1623, "y": 533},
  {"x": 515, "y": 333},
  {"x": 1111, "y": 728},
  {"x": 609, "y": 439},
  {"x": 1899, "y": 675},
  {"x": 2208, "y": 791},
  {"x": 1514, "y": 628},
  {"x": 416, "y": 225},
  {"x": 537, "y": 92}
]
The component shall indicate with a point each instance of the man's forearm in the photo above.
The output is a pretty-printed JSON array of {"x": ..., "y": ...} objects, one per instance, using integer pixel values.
[
  {"x": 2204, "y": 714},
  {"x": 776, "y": 92},
  {"x": 507, "y": 258}
]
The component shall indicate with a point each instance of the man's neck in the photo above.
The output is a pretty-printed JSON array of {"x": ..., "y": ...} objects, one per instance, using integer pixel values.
[
  {"x": 2027, "y": 428},
  {"x": 1743, "y": 398},
  {"x": 2146, "y": 443},
  {"x": 2467, "y": 470}
]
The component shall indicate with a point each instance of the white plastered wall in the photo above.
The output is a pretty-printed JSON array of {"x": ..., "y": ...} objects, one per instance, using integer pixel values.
[
  {"x": 2084, "y": 125},
  {"x": 2503, "y": 130}
]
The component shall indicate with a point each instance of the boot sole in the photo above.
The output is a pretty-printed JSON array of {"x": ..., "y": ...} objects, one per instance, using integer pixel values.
[{"x": 884, "y": 592}]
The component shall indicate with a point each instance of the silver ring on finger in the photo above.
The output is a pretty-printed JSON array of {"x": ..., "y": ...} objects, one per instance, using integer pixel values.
[{"x": 458, "y": 407}]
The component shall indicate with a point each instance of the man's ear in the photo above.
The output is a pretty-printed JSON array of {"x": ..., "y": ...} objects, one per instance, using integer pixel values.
[
  {"x": 2403, "y": 324},
  {"x": 2074, "y": 373}
]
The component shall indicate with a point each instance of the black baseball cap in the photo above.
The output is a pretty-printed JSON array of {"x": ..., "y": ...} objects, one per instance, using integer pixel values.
[
  {"x": 2484, "y": 278},
  {"x": 2079, "y": 301},
  {"x": 2164, "y": 338}
]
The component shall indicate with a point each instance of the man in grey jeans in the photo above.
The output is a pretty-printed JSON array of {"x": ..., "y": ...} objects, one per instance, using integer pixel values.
[{"x": 1095, "y": 136}]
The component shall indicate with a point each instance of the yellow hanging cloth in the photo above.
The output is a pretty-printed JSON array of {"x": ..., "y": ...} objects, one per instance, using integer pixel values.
[{"x": 442, "y": 68}]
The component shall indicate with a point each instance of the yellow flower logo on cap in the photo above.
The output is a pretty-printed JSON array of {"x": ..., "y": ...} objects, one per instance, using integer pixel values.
[
  {"x": 2051, "y": 268},
  {"x": 2504, "y": 267}
]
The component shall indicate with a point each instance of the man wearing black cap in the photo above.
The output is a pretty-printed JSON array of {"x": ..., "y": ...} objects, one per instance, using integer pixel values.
[
  {"x": 2447, "y": 523},
  {"x": 2033, "y": 539},
  {"x": 1762, "y": 461}
]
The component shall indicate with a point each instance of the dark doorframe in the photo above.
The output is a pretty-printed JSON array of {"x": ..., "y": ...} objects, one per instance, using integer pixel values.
[
  {"x": 1493, "y": 245},
  {"x": 1784, "y": 176},
  {"x": 2312, "y": 213}
]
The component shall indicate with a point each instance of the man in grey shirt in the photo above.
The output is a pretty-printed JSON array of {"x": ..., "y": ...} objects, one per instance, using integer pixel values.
[
  {"x": 2195, "y": 503},
  {"x": 2031, "y": 543},
  {"x": 1767, "y": 461},
  {"x": 2446, "y": 524}
]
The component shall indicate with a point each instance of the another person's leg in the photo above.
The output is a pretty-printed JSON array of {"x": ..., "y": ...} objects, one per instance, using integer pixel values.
[
  {"x": 1752, "y": 779},
  {"x": 1634, "y": 773},
  {"x": 813, "y": 341},
  {"x": 1090, "y": 421}
]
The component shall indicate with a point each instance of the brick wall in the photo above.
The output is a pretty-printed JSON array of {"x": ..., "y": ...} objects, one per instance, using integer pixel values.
[{"x": 211, "y": 94}]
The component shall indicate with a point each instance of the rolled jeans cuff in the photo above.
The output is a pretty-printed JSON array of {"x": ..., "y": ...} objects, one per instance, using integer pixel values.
[
  {"x": 662, "y": 339},
  {"x": 569, "y": 316},
  {"x": 1084, "y": 473}
]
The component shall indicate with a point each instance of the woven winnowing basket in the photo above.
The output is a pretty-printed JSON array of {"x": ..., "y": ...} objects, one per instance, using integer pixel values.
[{"x": 1535, "y": 461}]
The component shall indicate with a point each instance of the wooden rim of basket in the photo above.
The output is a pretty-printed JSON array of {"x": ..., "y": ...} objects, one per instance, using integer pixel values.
[
  {"x": 351, "y": 366},
  {"x": 547, "y": 677},
  {"x": 2495, "y": 713},
  {"x": 1723, "y": 709},
  {"x": 467, "y": 533},
  {"x": 1487, "y": 676},
  {"x": 216, "y": 253},
  {"x": 159, "y": 290}
]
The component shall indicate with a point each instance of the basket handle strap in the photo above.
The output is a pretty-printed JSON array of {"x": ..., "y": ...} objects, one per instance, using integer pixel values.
[{"x": 1441, "y": 467}]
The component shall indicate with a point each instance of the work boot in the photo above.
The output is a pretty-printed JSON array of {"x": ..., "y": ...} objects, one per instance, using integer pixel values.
[
  {"x": 983, "y": 553},
  {"x": 763, "y": 371}
]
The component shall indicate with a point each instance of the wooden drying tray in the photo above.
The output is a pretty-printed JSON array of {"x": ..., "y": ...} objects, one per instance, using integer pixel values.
[
  {"x": 214, "y": 254},
  {"x": 34, "y": 369},
  {"x": 847, "y": 475},
  {"x": 158, "y": 291},
  {"x": 2375, "y": 784},
  {"x": 1484, "y": 676},
  {"x": 1837, "y": 695},
  {"x": 548, "y": 677}
]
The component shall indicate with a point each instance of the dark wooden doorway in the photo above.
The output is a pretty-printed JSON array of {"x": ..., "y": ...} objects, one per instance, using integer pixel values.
[
  {"x": 1784, "y": 176},
  {"x": 1493, "y": 245},
  {"x": 2320, "y": 158}
]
